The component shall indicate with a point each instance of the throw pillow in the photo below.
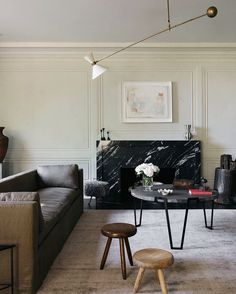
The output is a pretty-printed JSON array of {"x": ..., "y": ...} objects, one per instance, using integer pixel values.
[
  {"x": 65, "y": 176},
  {"x": 3, "y": 196}
]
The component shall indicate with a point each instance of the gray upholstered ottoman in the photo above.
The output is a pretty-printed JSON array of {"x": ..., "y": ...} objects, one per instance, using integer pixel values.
[{"x": 96, "y": 189}]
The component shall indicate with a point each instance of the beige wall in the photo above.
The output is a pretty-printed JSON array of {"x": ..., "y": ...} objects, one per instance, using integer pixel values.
[{"x": 53, "y": 111}]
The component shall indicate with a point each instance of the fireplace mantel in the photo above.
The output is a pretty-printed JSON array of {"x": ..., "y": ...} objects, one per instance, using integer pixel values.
[{"x": 112, "y": 156}]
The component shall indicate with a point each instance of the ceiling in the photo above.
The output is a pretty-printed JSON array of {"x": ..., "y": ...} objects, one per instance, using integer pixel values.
[{"x": 114, "y": 21}]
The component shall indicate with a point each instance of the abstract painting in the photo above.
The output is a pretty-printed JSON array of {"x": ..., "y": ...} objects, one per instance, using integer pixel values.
[{"x": 146, "y": 102}]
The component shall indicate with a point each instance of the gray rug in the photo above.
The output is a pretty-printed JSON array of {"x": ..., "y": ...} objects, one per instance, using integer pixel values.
[{"x": 206, "y": 265}]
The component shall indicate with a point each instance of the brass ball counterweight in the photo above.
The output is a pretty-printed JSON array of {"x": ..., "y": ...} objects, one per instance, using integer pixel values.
[{"x": 212, "y": 11}]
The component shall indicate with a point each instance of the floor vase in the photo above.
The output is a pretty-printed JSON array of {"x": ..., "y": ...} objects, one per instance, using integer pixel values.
[{"x": 3, "y": 144}]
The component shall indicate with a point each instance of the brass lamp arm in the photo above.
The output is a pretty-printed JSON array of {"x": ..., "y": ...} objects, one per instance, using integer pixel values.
[{"x": 151, "y": 36}]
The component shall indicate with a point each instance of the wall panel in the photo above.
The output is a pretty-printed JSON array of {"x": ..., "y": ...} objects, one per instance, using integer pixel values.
[
  {"x": 53, "y": 111},
  {"x": 46, "y": 109},
  {"x": 220, "y": 105},
  {"x": 183, "y": 99}
]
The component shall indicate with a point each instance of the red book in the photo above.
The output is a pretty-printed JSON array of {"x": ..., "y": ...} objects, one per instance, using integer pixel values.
[{"x": 199, "y": 192}]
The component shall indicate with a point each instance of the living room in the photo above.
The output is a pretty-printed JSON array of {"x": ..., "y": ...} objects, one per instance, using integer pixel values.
[{"x": 53, "y": 113}]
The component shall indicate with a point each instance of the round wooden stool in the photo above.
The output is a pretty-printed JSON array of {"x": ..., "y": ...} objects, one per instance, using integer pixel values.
[
  {"x": 152, "y": 258},
  {"x": 121, "y": 231}
]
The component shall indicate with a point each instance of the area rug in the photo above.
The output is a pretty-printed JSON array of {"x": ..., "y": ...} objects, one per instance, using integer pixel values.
[{"x": 207, "y": 264}]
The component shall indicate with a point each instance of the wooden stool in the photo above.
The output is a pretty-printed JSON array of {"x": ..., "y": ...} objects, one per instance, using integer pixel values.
[
  {"x": 152, "y": 258},
  {"x": 121, "y": 231}
]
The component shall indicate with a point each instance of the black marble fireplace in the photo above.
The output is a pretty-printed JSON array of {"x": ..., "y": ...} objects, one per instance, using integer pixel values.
[{"x": 116, "y": 161}]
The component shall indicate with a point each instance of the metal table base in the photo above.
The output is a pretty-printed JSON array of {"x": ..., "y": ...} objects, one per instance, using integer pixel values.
[{"x": 189, "y": 200}]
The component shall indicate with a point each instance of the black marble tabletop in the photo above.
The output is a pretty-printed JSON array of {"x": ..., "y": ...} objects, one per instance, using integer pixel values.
[{"x": 177, "y": 196}]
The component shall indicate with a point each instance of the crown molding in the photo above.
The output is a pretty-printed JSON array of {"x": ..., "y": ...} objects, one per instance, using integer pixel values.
[
  {"x": 113, "y": 45},
  {"x": 157, "y": 51}
]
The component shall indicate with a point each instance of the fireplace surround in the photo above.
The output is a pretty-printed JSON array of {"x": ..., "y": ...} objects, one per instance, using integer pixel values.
[{"x": 116, "y": 161}]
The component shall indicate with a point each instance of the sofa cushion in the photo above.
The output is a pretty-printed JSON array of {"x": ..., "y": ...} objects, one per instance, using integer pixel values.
[
  {"x": 24, "y": 196},
  {"x": 65, "y": 176},
  {"x": 54, "y": 204}
]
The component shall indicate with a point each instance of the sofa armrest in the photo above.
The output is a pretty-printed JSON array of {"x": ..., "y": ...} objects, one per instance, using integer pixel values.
[
  {"x": 24, "y": 181},
  {"x": 19, "y": 224}
]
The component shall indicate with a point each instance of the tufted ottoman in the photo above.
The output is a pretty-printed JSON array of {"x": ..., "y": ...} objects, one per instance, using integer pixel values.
[{"x": 96, "y": 189}]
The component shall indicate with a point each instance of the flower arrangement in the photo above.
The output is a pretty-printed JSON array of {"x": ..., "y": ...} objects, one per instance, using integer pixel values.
[{"x": 148, "y": 169}]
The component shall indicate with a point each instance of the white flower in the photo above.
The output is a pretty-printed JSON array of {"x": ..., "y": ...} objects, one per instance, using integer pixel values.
[
  {"x": 147, "y": 168},
  {"x": 149, "y": 171},
  {"x": 140, "y": 168}
]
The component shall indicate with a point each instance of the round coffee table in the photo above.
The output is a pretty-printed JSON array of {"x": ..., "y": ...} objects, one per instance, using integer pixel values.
[{"x": 178, "y": 196}]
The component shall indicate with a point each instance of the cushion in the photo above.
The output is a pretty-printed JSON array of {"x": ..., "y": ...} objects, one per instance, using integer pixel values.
[
  {"x": 24, "y": 196},
  {"x": 55, "y": 202},
  {"x": 65, "y": 176}
]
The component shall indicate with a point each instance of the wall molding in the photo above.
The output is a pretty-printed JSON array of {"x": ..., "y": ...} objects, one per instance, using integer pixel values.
[
  {"x": 114, "y": 45},
  {"x": 206, "y": 71},
  {"x": 149, "y": 69},
  {"x": 188, "y": 53},
  {"x": 49, "y": 150},
  {"x": 193, "y": 62},
  {"x": 87, "y": 101},
  {"x": 146, "y": 136},
  {"x": 12, "y": 165}
]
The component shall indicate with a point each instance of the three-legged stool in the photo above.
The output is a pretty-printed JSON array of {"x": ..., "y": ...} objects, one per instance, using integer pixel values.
[
  {"x": 122, "y": 231},
  {"x": 155, "y": 259}
]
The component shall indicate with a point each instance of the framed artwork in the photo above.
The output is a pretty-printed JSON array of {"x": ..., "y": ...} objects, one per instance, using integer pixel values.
[{"x": 146, "y": 102}]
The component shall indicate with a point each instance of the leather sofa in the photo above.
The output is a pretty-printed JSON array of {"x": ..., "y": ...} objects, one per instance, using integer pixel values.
[{"x": 38, "y": 210}]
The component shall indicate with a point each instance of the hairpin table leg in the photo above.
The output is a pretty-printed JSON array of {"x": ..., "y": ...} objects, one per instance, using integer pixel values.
[
  {"x": 135, "y": 213},
  {"x": 169, "y": 227},
  {"x": 212, "y": 215}
]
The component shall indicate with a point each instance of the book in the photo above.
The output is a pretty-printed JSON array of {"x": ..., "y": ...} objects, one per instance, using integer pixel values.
[{"x": 199, "y": 192}]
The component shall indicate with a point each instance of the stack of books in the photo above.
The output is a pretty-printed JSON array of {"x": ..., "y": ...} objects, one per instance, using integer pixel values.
[{"x": 199, "y": 192}]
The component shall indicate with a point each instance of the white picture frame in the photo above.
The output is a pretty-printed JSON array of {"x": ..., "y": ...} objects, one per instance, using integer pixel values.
[{"x": 146, "y": 102}]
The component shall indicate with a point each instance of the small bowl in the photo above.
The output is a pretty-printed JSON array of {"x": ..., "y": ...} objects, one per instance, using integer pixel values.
[{"x": 165, "y": 192}]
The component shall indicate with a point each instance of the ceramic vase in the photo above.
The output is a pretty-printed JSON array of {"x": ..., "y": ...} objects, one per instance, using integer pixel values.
[
  {"x": 3, "y": 144},
  {"x": 188, "y": 136}
]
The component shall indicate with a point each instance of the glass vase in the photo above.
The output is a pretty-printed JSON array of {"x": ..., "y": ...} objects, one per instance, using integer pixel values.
[{"x": 147, "y": 183}]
